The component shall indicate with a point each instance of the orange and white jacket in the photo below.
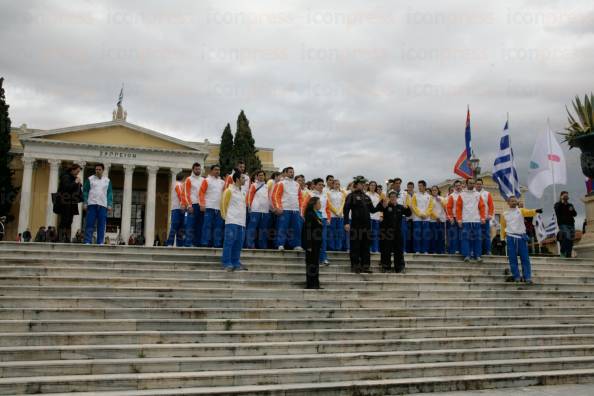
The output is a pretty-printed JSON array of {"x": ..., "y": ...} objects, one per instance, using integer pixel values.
[
  {"x": 470, "y": 207},
  {"x": 192, "y": 186},
  {"x": 421, "y": 204},
  {"x": 257, "y": 198},
  {"x": 287, "y": 195},
  {"x": 488, "y": 201},
  {"x": 451, "y": 202},
  {"x": 210, "y": 193},
  {"x": 336, "y": 200},
  {"x": 323, "y": 199},
  {"x": 177, "y": 196},
  {"x": 244, "y": 188}
]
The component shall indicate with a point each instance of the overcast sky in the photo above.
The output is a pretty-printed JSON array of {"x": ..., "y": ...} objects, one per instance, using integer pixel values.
[{"x": 378, "y": 88}]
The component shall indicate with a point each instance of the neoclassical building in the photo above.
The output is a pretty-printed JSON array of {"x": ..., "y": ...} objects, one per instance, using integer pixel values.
[{"x": 140, "y": 162}]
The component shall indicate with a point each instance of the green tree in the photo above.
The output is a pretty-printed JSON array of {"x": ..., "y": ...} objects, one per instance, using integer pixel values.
[
  {"x": 8, "y": 191},
  {"x": 244, "y": 145},
  {"x": 226, "y": 151}
]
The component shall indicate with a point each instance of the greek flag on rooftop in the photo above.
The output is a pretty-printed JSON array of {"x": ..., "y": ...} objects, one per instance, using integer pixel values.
[{"x": 504, "y": 168}]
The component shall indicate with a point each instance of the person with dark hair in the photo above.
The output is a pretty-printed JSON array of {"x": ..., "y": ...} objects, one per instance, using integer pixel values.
[
  {"x": 373, "y": 194},
  {"x": 98, "y": 202},
  {"x": 422, "y": 207},
  {"x": 210, "y": 195},
  {"x": 239, "y": 165},
  {"x": 68, "y": 197},
  {"x": 391, "y": 233},
  {"x": 566, "y": 214},
  {"x": 336, "y": 198},
  {"x": 513, "y": 231},
  {"x": 357, "y": 223},
  {"x": 311, "y": 237},
  {"x": 318, "y": 192},
  {"x": 286, "y": 200},
  {"x": 470, "y": 214},
  {"x": 26, "y": 236},
  {"x": 275, "y": 178},
  {"x": 176, "y": 232},
  {"x": 259, "y": 213},
  {"x": 409, "y": 193},
  {"x": 437, "y": 222},
  {"x": 41, "y": 235},
  {"x": 233, "y": 210},
  {"x": 194, "y": 217},
  {"x": 489, "y": 212},
  {"x": 453, "y": 230}
]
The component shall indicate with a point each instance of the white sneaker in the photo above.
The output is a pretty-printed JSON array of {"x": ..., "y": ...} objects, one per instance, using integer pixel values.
[
  {"x": 298, "y": 249},
  {"x": 281, "y": 248},
  {"x": 326, "y": 262}
]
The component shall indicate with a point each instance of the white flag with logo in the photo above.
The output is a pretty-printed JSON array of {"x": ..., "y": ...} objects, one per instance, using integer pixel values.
[{"x": 547, "y": 165}]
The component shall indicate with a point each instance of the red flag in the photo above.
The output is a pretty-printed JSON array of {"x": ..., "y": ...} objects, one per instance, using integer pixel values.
[{"x": 462, "y": 167}]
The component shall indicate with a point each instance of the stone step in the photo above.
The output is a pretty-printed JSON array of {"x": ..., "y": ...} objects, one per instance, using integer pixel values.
[
  {"x": 104, "y": 382},
  {"x": 294, "y": 276},
  {"x": 280, "y": 261},
  {"x": 20, "y": 326},
  {"x": 414, "y": 267},
  {"x": 520, "y": 291},
  {"x": 370, "y": 387},
  {"x": 58, "y": 302},
  {"x": 311, "y": 314},
  {"x": 113, "y": 364},
  {"x": 293, "y": 335},
  {"x": 255, "y": 349},
  {"x": 397, "y": 283}
]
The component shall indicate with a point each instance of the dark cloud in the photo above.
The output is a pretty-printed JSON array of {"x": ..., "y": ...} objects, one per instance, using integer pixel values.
[{"x": 343, "y": 87}]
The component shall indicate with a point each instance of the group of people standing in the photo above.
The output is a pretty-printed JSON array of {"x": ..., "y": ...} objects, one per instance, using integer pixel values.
[{"x": 286, "y": 212}]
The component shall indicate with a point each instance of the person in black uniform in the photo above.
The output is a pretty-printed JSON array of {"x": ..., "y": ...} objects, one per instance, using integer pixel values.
[
  {"x": 357, "y": 208},
  {"x": 311, "y": 238},
  {"x": 391, "y": 233},
  {"x": 68, "y": 197}
]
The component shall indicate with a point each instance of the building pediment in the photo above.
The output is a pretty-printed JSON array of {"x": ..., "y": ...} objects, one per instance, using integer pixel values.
[{"x": 114, "y": 133}]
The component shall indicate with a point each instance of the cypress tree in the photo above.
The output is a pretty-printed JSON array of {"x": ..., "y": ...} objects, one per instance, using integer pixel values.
[
  {"x": 8, "y": 191},
  {"x": 226, "y": 151},
  {"x": 244, "y": 145}
]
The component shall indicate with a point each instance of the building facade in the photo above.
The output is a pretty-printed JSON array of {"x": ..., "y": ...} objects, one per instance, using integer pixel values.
[{"x": 141, "y": 163}]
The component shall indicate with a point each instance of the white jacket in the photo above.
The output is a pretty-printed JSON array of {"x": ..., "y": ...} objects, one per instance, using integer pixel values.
[
  {"x": 177, "y": 195},
  {"x": 421, "y": 203},
  {"x": 336, "y": 200},
  {"x": 439, "y": 212},
  {"x": 192, "y": 189},
  {"x": 257, "y": 197},
  {"x": 470, "y": 207},
  {"x": 211, "y": 192},
  {"x": 233, "y": 208},
  {"x": 287, "y": 195},
  {"x": 375, "y": 199}
]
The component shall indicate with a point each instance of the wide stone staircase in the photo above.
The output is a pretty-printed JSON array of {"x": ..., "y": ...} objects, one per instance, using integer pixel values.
[{"x": 162, "y": 321}]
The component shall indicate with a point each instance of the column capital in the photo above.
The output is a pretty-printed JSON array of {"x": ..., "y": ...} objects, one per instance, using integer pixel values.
[
  {"x": 175, "y": 171},
  {"x": 28, "y": 161},
  {"x": 54, "y": 162},
  {"x": 129, "y": 168},
  {"x": 152, "y": 170}
]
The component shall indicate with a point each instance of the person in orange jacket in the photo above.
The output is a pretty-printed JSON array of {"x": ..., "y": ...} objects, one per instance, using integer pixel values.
[
  {"x": 490, "y": 211},
  {"x": 470, "y": 214}
]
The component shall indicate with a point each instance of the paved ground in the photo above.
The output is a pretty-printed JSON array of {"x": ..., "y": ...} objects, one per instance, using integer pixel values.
[{"x": 556, "y": 390}]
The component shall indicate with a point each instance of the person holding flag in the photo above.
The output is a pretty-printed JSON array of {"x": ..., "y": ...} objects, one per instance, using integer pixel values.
[
  {"x": 470, "y": 214},
  {"x": 453, "y": 230},
  {"x": 513, "y": 231}
]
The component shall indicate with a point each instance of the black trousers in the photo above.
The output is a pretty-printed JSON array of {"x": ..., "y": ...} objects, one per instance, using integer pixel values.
[
  {"x": 359, "y": 250},
  {"x": 392, "y": 247},
  {"x": 64, "y": 227},
  {"x": 312, "y": 268}
]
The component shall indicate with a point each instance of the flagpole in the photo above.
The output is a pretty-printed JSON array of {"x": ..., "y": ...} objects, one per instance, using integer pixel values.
[{"x": 552, "y": 175}]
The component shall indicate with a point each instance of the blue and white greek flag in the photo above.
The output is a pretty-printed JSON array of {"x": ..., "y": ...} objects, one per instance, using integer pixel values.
[
  {"x": 504, "y": 168},
  {"x": 545, "y": 229}
]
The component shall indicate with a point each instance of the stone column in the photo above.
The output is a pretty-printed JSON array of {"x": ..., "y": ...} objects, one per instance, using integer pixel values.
[
  {"x": 127, "y": 202},
  {"x": 174, "y": 172},
  {"x": 106, "y": 170},
  {"x": 50, "y": 216},
  {"x": 585, "y": 248},
  {"x": 77, "y": 220},
  {"x": 151, "y": 201},
  {"x": 25, "y": 206}
]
